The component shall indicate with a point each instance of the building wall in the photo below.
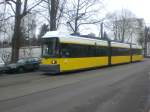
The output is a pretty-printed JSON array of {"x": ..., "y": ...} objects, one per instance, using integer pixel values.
[{"x": 34, "y": 51}]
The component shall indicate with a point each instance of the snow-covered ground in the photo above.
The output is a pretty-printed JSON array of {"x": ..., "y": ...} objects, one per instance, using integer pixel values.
[{"x": 34, "y": 51}]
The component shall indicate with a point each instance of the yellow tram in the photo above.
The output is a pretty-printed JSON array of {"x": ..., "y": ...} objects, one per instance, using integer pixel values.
[{"x": 61, "y": 53}]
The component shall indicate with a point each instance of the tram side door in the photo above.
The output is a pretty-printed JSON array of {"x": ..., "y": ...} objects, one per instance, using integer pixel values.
[{"x": 65, "y": 54}]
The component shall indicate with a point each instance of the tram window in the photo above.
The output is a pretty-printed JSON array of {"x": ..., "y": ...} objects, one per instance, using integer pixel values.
[
  {"x": 65, "y": 51},
  {"x": 76, "y": 50},
  {"x": 120, "y": 51},
  {"x": 104, "y": 51},
  {"x": 91, "y": 51},
  {"x": 137, "y": 51},
  {"x": 50, "y": 47},
  {"x": 48, "y": 50},
  {"x": 101, "y": 51}
]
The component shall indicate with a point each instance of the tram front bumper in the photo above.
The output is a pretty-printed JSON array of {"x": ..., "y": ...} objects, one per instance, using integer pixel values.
[{"x": 53, "y": 68}]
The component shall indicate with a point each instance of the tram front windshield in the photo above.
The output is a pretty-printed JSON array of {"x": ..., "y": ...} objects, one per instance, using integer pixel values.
[{"x": 50, "y": 47}]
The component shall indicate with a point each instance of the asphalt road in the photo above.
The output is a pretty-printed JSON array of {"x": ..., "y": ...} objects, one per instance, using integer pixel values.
[{"x": 123, "y": 88}]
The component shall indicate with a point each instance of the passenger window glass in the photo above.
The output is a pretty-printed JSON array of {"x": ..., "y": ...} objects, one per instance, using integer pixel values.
[
  {"x": 75, "y": 50},
  {"x": 65, "y": 53}
]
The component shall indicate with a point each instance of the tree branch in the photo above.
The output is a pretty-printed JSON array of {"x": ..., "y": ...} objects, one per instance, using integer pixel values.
[
  {"x": 35, "y": 5},
  {"x": 11, "y": 7},
  {"x": 71, "y": 26},
  {"x": 94, "y": 22},
  {"x": 25, "y": 6},
  {"x": 26, "y": 11},
  {"x": 11, "y": 1},
  {"x": 7, "y": 18}
]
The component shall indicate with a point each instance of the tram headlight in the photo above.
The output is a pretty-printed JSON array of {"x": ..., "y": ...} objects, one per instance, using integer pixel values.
[{"x": 54, "y": 62}]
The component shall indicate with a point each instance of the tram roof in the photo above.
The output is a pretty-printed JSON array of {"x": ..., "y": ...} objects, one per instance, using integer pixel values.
[
  {"x": 67, "y": 38},
  {"x": 122, "y": 45},
  {"x": 136, "y": 46}
]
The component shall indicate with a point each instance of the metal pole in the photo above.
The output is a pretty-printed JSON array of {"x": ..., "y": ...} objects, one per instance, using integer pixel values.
[
  {"x": 102, "y": 30},
  {"x": 145, "y": 41}
]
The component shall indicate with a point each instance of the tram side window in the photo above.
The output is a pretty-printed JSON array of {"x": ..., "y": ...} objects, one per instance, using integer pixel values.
[
  {"x": 137, "y": 51},
  {"x": 73, "y": 50},
  {"x": 102, "y": 51},
  {"x": 91, "y": 51},
  {"x": 120, "y": 51},
  {"x": 76, "y": 50},
  {"x": 65, "y": 51}
]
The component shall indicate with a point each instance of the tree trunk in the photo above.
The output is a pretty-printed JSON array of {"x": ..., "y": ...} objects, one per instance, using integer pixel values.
[
  {"x": 123, "y": 30},
  {"x": 76, "y": 19},
  {"x": 17, "y": 32},
  {"x": 49, "y": 11},
  {"x": 53, "y": 14},
  {"x": 76, "y": 27}
]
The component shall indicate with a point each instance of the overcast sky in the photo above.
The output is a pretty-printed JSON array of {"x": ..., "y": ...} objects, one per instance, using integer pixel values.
[{"x": 140, "y": 8}]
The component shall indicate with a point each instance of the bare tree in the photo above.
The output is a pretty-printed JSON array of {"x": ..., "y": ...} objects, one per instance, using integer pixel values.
[
  {"x": 54, "y": 12},
  {"x": 144, "y": 40},
  {"x": 1, "y": 24},
  {"x": 44, "y": 28},
  {"x": 122, "y": 24},
  {"x": 2, "y": 17},
  {"x": 81, "y": 12},
  {"x": 20, "y": 8}
]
